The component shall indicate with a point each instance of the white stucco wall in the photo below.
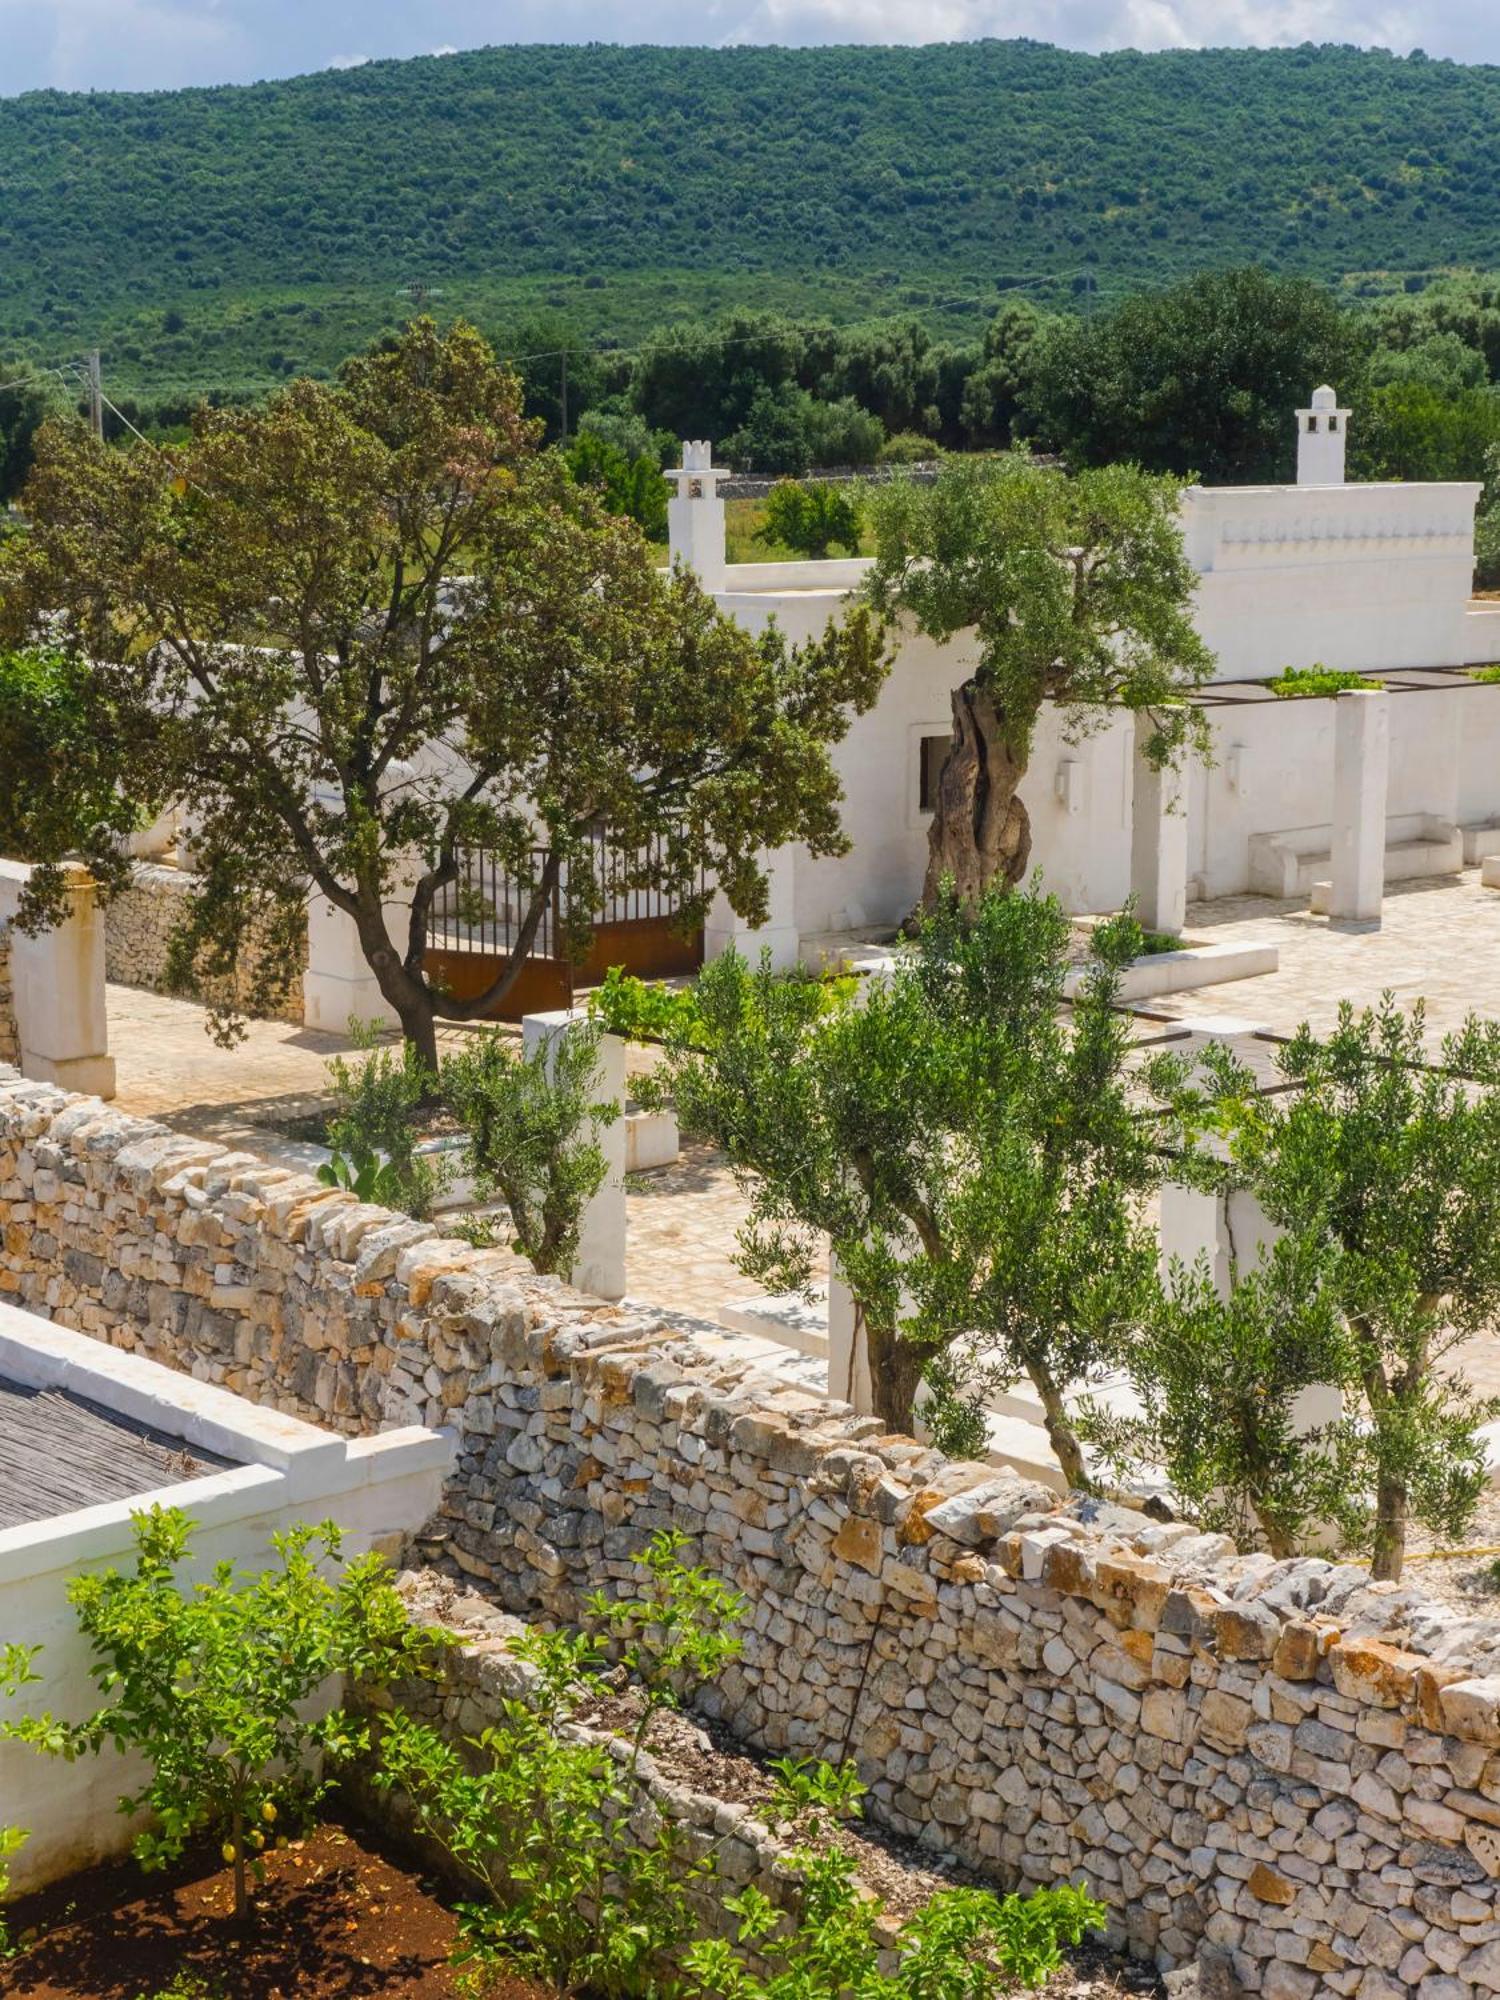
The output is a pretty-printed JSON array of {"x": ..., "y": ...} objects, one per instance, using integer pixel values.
[
  {"x": 1373, "y": 578},
  {"x": 287, "y": 1471},
  {"x": 1273, "y": 770},
  {"x": 1363, "y": 577}
]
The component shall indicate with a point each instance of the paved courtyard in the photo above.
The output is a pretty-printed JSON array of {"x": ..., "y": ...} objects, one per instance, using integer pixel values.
[{"x": 1439, "y": 941}]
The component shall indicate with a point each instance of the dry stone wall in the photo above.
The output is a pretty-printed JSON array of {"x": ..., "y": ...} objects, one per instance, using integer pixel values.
[
  {"x": 138, "y": 927},
  {"x": 1277, "y": 1768}
]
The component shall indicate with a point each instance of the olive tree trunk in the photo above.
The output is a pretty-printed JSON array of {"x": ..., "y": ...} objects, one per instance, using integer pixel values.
[{"x": 980, "y": 834}]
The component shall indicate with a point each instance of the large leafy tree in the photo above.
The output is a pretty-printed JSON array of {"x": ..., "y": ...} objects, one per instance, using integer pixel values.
[
  {"x": 23, "y": 407},
  {"x": 1077, "y": 591},
  {"x": 1201, "y": 378},
  {"x": 364, "y": 628},
  {"x": 71, "y": 790}
]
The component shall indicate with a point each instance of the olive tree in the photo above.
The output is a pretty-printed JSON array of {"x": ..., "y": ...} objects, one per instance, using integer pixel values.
[
  {"x": 1077, "y": 591},
  {"x": 964, "y": 1137},
  {"x": 366, "y": 627},
  {"x": 1388, "y": 1162}
]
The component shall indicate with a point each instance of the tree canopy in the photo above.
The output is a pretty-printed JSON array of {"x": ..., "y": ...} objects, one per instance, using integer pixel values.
[
  {"x": 1077, "y": 591},
  {"x": 630, "y": 187},
  {"x": 1202, "y": 378},
  {"x": 364, "y": 629}
]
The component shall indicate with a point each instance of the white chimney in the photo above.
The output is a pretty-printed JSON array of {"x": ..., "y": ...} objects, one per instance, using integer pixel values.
[
  {"x": 1321, "y": 431},
  {"x": 695, "y": 519}
]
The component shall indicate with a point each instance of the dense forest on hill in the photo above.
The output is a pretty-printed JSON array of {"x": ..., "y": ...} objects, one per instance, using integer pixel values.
[{"x": 229, "y": 237}]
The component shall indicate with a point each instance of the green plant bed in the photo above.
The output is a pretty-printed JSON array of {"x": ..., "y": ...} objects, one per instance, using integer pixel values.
[
  {"x": 1295, "y": 683},
  {"x": 1156, "y": 944},
  {"x": 1489, "y": 676}
]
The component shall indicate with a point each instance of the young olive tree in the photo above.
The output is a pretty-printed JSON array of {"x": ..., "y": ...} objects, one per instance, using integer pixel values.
[
  {"x": 214, "y": 1685},
  {"x": 1391, "y": 1161},
  {"x": 964, "y": 1137},
  {"x": 1078, "y": 592},
  {"x": 362, "y": 629},
  {"x": 809, "y": 516},
  {"x": 528, "y": 1135},
  {"x": 1222, "y": 1382},
  {"x": 1040, "y": 1259}
]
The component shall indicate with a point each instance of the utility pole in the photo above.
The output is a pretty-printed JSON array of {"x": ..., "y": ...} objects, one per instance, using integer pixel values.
[
  {"x": 96, "y": 395},
  {"x": 564, "y": 437}
]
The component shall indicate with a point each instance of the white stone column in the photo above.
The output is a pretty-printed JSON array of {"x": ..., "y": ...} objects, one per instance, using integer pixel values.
[
  {"x": 57, "y": 983},
  {"x": 778, "y": 935},
  {"x": 600, "y": 1264},
  {"x": 1233, "y": 1232},
  {"x": 1158, "y": 842},
  {"x": 338, "y": 986},
  {"x": 1361, "y": 765}
]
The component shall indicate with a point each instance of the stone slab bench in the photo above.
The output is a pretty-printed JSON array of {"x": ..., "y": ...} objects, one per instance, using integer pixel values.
[{"x": 1287, "y": 864}]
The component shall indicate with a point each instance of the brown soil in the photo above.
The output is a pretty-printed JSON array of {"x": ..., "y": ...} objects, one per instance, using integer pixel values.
[{"x": 339, "y": 1916}]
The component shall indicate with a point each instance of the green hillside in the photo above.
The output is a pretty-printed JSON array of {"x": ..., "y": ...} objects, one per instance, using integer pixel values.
[{"x": 231, "y": 236}]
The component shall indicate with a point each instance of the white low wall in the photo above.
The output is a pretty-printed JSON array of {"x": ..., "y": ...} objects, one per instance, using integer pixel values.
[{"x": 376, "y": 1488}]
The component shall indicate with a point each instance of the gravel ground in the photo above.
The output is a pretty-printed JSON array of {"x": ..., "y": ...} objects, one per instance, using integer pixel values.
[{"x": 1468, "y": 1578}]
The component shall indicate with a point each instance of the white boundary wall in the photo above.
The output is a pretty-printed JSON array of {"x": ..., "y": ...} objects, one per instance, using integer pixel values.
[{"x": 377, "y": 1489}]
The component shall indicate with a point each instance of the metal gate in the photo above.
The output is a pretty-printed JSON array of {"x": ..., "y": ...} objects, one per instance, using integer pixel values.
[{"x": 632, "y": 926}]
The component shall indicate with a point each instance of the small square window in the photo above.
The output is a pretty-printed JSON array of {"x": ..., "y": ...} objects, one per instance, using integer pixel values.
[
  {"x": 1333, "y": 423},
  {"x": 932, "y": 755},
  {"x": 1312, "y": 423}
]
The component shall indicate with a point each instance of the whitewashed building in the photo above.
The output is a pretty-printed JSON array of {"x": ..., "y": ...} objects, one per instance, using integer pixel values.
[{"x": 1375, "y": 578}]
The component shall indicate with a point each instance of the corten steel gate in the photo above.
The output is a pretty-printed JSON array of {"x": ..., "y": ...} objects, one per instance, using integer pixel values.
[{"x": 631, "y": 926}]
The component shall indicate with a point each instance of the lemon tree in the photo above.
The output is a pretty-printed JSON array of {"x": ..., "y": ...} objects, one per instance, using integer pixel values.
[{"x": 216, "y": 1683}]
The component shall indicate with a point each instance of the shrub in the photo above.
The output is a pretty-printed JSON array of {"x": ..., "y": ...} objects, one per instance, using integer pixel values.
[
  {"x": 524, "y": 1119},
  {"x": 908, "y": 448},
  {"x": 959, "y": 1946},
  {"x": 642, "y": 1010},
  {"x": 376, "y": 1125},
  {"x": 212, "y": 1686},
  {"x": 676, "y": 1635},
  {"x": 11, "y": 1838},
  {"x": 1489, "y": 676},
  {"x": 811, "y": 518},
  {"x": 1293, "y": 683},
  {"x": 577, "y": 1899}
]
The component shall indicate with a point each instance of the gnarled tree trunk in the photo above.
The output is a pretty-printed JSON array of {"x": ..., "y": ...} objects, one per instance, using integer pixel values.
[{"x": 980, "y": 833}]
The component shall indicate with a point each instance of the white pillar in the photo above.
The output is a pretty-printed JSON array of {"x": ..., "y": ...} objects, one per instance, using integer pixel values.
[
  {"x": 338, "y": 986},
  {"x": 1361, "y": 762},
  {"x": 1158, "y": 842},
  {"x": 600, "y": 1264},
  {"x": 57, "y": 983},
  {"x": 1234, "y": 1233},
  {"x": 778, "y": 935}
]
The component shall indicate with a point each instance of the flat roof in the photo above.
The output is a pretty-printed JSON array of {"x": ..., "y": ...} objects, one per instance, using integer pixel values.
[{"x": 60, "y": 1452}]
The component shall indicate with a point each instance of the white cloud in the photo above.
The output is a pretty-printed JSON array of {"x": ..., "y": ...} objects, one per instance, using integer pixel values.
[
  {"x": 347, "y": 62},
  {"x": 136, "y": 44},
  {"x": 1118, "y": 24}
]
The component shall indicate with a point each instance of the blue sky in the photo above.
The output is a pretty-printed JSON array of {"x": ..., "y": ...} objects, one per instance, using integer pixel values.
[{"x": 144, "y": 44}]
